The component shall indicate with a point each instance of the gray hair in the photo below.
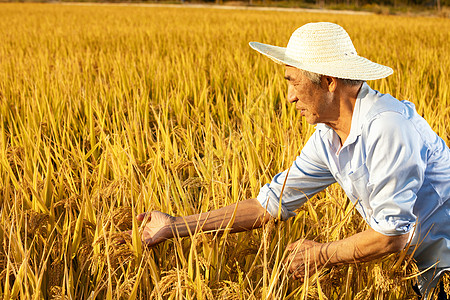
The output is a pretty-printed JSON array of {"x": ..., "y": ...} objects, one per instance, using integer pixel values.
[{"x": 315, "y": 78}]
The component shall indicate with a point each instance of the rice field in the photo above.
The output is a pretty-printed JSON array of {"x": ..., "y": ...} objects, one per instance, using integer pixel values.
[{"x": 110, "y": 111}]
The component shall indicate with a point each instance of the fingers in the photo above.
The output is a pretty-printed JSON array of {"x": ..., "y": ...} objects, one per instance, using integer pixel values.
[
  {"x": 295, "y": 263},
  {"x": 291, "y": 246},
  {"x": 289, "y": 261},
  {"x": 290, "y": 265},
  {"x": 297, "y": 272},
  {"x": 299, "y": 275},
  {"x": 142, "y": 216}
]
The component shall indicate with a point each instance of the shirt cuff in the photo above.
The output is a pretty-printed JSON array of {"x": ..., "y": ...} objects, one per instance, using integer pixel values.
[
  {"x": 270, "y": 202},
  {"x": 391, "y": 226}
]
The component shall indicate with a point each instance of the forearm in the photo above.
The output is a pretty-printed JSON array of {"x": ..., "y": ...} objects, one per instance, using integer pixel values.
[
  {"x": 241, "y": 216},
  {"x": 361, "y": 247}
]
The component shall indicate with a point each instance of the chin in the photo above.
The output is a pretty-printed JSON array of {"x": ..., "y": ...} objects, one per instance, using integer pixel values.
[{"x": 312, "y": 121}]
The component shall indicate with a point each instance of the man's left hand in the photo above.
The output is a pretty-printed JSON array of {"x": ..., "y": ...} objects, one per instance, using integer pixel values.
[{"x": 303, "y": 259}]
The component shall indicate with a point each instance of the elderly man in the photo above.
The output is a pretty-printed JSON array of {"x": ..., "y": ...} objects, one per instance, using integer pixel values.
[{"x": 388, "y": 160}]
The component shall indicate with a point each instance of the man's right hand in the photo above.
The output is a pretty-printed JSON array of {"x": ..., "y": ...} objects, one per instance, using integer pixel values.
[
  {"x": 241, "y": 216},
  {"x": 158, "y": 227}
]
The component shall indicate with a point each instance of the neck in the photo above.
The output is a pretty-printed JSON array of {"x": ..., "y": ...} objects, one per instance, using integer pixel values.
[{"x": 346, "y": 99}]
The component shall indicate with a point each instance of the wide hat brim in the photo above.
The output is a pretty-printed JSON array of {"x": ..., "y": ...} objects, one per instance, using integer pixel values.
[{"x": 348, "y": 67}]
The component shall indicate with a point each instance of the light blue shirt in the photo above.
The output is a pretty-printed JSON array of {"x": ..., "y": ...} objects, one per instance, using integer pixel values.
[{"x": 393, "y": 167}]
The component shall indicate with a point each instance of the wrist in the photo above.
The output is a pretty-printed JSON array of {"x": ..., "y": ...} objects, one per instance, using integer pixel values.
[
  {"x": 322, "y": 257},
  {"x": 178, "y": 227},
  {"x": 170, "y": 229}
]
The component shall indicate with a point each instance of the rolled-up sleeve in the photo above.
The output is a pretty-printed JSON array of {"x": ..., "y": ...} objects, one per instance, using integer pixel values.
[
  {"x": 307, "y": 176},
  {"x": 396, "y": 162}
]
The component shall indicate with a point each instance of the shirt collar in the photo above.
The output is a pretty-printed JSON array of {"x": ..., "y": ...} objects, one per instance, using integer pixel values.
[{"x": 362, "y": 107}]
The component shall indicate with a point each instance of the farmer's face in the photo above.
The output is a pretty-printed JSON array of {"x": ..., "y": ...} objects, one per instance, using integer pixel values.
[{"x": 314, "y": 101}]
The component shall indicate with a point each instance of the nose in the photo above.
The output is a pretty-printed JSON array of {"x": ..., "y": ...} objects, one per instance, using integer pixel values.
[{"x": 291, "y": 96}]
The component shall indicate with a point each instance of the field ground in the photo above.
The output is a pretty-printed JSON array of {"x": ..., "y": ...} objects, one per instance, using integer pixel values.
[{"x": 109, "y": 111}]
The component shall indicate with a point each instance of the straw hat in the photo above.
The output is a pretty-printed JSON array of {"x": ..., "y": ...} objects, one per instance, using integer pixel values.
[{"x": 324, "y": 48}]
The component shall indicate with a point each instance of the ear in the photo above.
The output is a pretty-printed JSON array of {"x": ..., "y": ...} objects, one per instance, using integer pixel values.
[{"x": 331, "y": 83}]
